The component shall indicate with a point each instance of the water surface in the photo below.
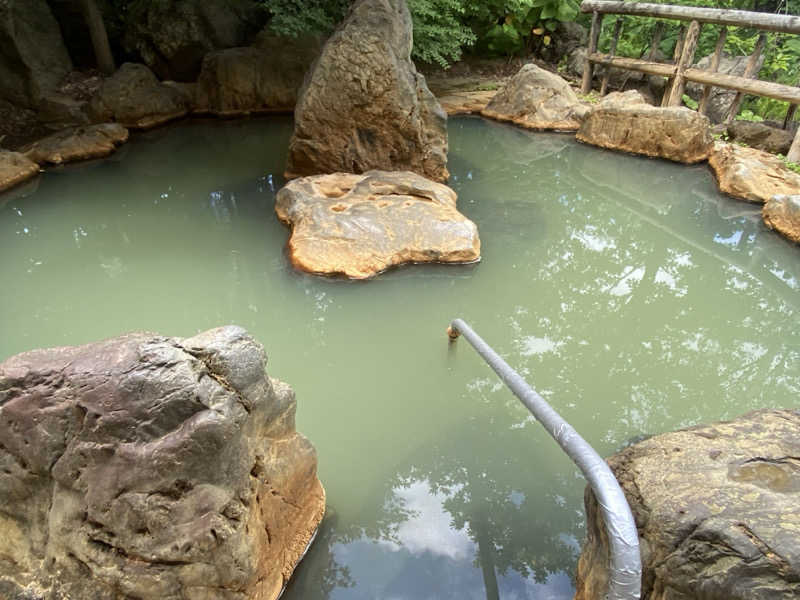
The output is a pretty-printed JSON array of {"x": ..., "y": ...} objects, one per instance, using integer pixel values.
[{"x": 629, "y": 292}]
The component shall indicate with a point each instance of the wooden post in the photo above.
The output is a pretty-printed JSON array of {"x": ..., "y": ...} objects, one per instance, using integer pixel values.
[
  {"x": 685, "y": 61},
  {"x": 657, "y": 35},
  {"x": 750, "y": 71},
  {"x": 789, "y": 115},
  {"x": 723, "y": 34},
  {"x": 794, "y": 151},
  {"x": 611, "y": 51},
  {"x": 675, "y": 58},
  {"x": 594, "y": 35}
]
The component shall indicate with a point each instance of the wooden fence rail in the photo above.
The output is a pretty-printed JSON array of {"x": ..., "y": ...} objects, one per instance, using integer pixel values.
[{"x": 681, "y": 71}]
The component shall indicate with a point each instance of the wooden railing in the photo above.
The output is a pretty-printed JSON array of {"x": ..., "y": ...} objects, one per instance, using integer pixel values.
[{"x": 682, "y": 71}]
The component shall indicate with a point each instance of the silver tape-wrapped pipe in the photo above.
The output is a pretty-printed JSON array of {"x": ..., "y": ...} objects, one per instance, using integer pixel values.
[{"x": 625, "y": 577}]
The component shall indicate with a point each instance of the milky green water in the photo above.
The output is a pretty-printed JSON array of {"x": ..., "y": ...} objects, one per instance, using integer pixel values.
[{"x": 632, "y": 296}]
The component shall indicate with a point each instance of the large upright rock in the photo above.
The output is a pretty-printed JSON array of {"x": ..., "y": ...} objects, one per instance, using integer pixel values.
[
  {"x": 677, "y": 134},
  {"x": 716, "y": 509},
  {"x": 173, "y": 36},
  {"x": 365, "y": 106},
  {"x": 536, "y": 99},
  {"x": 152, "y": 468},
  {"x": 33, "y": 58}
]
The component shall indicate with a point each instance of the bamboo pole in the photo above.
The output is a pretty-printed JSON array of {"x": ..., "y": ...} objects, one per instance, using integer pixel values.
[
  {"x": 675, "y": 58},
  {"x": 737, "y": 18},
  {"x": 750, "y": 71},
  {"x": 594, "y": 35},
  {"x": 611, "y": 51},
  {"x": 723, "y": 34},
  {"x": 634, "y": 64},
  {"x": 685, "y": 61}
]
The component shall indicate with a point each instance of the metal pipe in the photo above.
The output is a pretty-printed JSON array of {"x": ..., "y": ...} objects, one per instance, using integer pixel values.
[{"x": 625, "y": 577}]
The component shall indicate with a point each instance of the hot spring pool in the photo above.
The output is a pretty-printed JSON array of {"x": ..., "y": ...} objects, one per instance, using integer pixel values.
[{"x": 629, "y": 292}]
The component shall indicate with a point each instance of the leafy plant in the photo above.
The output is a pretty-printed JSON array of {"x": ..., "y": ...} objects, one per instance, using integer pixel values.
[
  {"x": 749, "y": 115},
  {"x": 688, "y": 101},
  {"x": 439, "y": 33}
]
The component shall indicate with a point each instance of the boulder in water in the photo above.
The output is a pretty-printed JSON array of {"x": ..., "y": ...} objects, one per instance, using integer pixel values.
[{"x": 750, "y": 174}]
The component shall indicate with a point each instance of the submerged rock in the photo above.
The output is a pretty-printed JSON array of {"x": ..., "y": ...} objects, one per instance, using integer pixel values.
[
  {"x": 360, "y": 225},
  {"x": 716, "y": 510},
  {"x": 782, "y": 213},
  {"x": 677, "y": 134},
  {"x": 750, "y": 174},
  {"x": 77, "y": 143},
  {"x": 536, "y": 99},
  {"x": 134, "y": 98},
  {"x": 15, "y": 168},
  {"x": 33, "y": 58},
  {"x": 265, "y": 78},
  {"x": 364, "y": 105},
  {"x": 152, "y": 467}
]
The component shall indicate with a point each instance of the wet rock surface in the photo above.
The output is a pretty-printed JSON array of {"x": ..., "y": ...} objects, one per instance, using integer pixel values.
[
  {"x": 677, "y": 134},
  {"x": 134, "y": 98},
  {"x": 716, "y": 510},
  {"x": 782, "y": 213},
  {"x": 15, "y": 168},
  {"x": 360, "y": 225},
  {"x": 263, "y": 78},
  {"x": 365, "y": 106},
  {"x": 750, "y": 174},
  {"x": 536, "y": 99},
  {"x": 78, "y": 143},
  {"x": 154, "y": 468}
]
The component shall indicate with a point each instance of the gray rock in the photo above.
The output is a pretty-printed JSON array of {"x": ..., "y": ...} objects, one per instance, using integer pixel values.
[
  {"x": 173, "y": 36},
  {"x": 77, "y": 143},
  {"x": 761, "y": 136},
  {"x": 264, "y": 78},
  {"x": 364, "y": 106},
  {"x": 134, "y": 98},
  {"x": 360, "y": 225},
  {"x": 567, "y": 37},
  {"x": 677, "y": 134},
  {"x": 15, "y": 168},
  {"x": 716, "y": 510},
  {"x": 719, "y": 103},
  {"x": 33, "y": 58},
  {"x": 536, "y": 99},
  {"x": 152, "y": 467}
]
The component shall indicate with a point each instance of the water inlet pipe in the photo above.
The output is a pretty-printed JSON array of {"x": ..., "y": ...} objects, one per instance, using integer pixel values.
[{"x": 625, "y": 576}]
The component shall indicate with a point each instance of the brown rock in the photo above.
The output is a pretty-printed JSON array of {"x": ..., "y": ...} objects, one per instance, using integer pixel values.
[
  {"x": 677, "y": 134},
  {"x": 761, "y": 136},
  {"x": 536, "y": 99},
  {"x": 360, "y": 225},
  {"x": 750, "y": 174},
  {"x": 15, "y": 168},
  {"x": 154, "y": 468},
  {"x": 716, "y": 510},
  {"x": 134, "y": 98},
  {"x": 365, "y": 106},
  {"x": 78, "y": 143},
  {"x": 465, "y": 102},
  {"x": 266, "y": 78},
  {"x": 782, "y": 213}
]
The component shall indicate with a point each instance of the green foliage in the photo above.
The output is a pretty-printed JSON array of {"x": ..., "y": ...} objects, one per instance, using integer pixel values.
[
  {"x": 688, "y": 101},
  {"x": 748, "y": 115},
  {"x": 439, "y": 33},
  {"x": 298, "y": 17},
  {"x": 793, "y": 166}
]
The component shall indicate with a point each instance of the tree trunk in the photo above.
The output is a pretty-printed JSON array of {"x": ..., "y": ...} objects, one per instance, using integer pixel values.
[{"x": 97, "y": 30}]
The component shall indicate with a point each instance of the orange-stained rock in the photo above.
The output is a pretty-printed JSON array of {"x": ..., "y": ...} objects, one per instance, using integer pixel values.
[
  {"x": 360, "y": 225},
  {"x": 364, "y": 105},
  {"x": 677, "y": 134},
  {"x": 15, "y": 168},
  {"x": 77, "y": 143},
  {"x": 536, "y": 99},
  {"x": 465, "y": 102},
  {"x": 782, "y": 213},
  {"x": 750, "y": 174}
]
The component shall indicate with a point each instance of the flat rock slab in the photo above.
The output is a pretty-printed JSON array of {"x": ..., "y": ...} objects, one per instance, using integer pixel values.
[
  {"x": 677, "y": 134},
  {"x": 536, "y": 99},
  {"x": 360, "y": 225},
  {"x": 154, "y": 468},
  {"x": 716, "y": 507},
  {"x": 135, "y": 98},
  {"x": 364, "y": 105},
  {"x": 465, "y": 102},
  {"x": 15, "y": 168},
  {"x": 782, "y": 213},
  {"x": 750, "y": 174},
  {"x": 77, "y": 143}
]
